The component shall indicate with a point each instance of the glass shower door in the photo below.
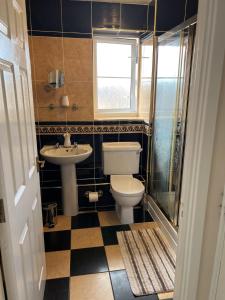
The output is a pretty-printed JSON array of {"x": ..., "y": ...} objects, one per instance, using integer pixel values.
[{"x": 169, "y": 123}]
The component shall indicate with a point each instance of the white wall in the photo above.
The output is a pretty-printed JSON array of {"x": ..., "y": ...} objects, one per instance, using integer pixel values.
[{"x": 217, "y": 182}]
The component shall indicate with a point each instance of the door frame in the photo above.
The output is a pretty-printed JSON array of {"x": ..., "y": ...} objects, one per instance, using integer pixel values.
[
  {"x": 201, "y": 129},
  {"x": 220, "y": 248},
  {"x": 2, "y": 292}
]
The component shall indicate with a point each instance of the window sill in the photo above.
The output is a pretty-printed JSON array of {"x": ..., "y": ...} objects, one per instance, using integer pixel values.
[{"x": 122, "y": 116}]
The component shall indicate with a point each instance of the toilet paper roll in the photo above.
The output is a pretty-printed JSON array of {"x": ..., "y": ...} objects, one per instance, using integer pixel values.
[{"x": 93, "y": 196}]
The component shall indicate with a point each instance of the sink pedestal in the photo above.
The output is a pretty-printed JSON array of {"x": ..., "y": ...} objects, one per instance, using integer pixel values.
[
  {"x": 67, "y": 158},
  {"x": 69, "y": 190}
]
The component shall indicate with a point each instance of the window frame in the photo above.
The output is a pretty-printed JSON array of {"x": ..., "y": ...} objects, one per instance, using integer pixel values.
[{"x": 133, "y": 110}]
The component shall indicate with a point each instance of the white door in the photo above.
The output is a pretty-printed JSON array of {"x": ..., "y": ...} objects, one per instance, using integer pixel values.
[{"x": 21, "y": 242}]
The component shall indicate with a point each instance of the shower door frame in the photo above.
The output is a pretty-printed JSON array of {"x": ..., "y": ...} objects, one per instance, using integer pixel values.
[{"x": 152, "y": 205}]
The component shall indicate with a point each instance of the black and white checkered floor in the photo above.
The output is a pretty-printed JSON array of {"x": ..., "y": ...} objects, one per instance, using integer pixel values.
[{"x": 84, "y": 261}]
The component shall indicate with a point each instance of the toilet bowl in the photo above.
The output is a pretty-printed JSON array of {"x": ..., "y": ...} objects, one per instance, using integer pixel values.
[{"x": 127, "y": 191}]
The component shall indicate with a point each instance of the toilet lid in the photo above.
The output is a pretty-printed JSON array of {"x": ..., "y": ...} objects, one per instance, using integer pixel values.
[{"x": 126, "y": 185}]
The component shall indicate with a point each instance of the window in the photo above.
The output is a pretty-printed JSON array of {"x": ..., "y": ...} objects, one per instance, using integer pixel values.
[{"x": 115, "y": 76}]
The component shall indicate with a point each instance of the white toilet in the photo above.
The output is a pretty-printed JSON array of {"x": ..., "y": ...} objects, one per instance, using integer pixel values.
[{"x": 121, "y": 160}]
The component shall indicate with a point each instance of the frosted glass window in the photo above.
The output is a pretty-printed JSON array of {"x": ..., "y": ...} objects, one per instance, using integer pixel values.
[{"x": 115, "y": 62}]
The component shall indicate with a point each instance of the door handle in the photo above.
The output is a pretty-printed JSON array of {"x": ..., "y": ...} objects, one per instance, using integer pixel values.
[{"x": 39, "y": 163}]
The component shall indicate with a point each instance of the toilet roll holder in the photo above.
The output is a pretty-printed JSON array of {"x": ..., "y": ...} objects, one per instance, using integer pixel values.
[{"x": 100, "y": 193}]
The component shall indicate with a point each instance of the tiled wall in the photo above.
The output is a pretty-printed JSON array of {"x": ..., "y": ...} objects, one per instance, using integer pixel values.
[
  {"x": 77, "y": 18},
  {"x": 146, "y": 51},
  {"x": 89, "y": 172},
  {"x": 74, "y": 57},
  {"x": 60, "y": 37},
  {"x": 171, "y": 13}
]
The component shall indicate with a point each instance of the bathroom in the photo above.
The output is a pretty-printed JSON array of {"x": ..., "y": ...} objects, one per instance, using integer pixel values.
[
  {"x": 110, "y": 83},
  {"x": 72, "y": 48}
]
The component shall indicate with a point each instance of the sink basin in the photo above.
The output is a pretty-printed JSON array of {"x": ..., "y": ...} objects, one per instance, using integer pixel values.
[
  {"x": 67, "y": 158},
  {"x": 64, "y": 156}
]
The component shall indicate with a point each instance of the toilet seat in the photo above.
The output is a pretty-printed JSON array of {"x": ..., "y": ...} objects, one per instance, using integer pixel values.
[{"x": 126, "y": 185}]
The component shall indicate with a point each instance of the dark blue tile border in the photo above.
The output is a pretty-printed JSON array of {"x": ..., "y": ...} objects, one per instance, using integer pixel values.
[
  {"x": 76, "y": 16},
  {"x": 169, "y": 14},
  {"x": 76, "y": 19},
  {"x": 105, "y": 15},
  {"x": 45, "y": 33},
  {"x": 45, "y": 15},
  {"x": 134, "y": 16}
]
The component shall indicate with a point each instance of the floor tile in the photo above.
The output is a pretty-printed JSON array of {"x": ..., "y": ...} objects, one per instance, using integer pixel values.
[
  {"x": 58, "y": 264},
  {"x": 114, "y": 257},
  {"x": 109, "y": 233},
  {"x": 92, "y": 286},
  {"x": 86, "y": 238},
  {"x": 58, "y": 240},
  {"x": 57, "y": 289},
  {"x": 63, "y": 223},
  {"x": 88, "y": 261},
  {"x": 140, "y": 217},
  {"x": 122, "y": 290},
  {"x": 108, "y": 218},
  {"x": 165, "y": 296},
  {"x": 85, "y": 220},
  {"x": 145, "y": 225}
]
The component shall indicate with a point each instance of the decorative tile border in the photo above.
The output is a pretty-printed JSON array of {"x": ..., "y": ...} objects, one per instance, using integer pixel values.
[
  {"x": 89, "y": 129},
  {"x": 98, "y": 129},
  {"x": 147, "y": 129}
]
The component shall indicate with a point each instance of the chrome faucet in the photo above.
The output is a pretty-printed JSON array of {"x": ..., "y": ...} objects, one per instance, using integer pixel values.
[{"x": 57, "y": 145}]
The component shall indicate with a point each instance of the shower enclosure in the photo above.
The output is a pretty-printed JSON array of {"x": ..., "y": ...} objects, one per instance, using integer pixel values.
[{"x": 170, "y": 91}]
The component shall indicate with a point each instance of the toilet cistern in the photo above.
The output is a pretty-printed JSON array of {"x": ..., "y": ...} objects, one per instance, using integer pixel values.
[{"x": 67, "y": 141}]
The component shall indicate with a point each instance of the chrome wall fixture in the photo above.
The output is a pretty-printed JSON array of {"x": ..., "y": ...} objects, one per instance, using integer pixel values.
[
  {"x": 73, "y": 107},
  {"x": 55, "y": 79}
]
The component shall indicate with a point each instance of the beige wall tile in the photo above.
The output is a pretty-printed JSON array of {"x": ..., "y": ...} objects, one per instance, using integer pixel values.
[
  {"x": 81, "y": 94},
  {"x": 45, "y": 114},
  {"x": 62, "y": 114},
  {"x": 114, "y": 257},
  {"x": 57, "y": 264},
  {"x": 78, "y": 70},
  {"x": 93, "y": 286},
  {"x": 46, "y": 96},
  {"x": 82, "y": 114},
  {"x": 63, "y": 223},
  {"x": 78, "y": 62},
  {"x": 47, "y": 55},
  {"x": 75, "y": 47},
  {"x": 108, "y": 218},
  {"x": 31, "y": 57},
  {"x": 86, "y": 238},
  {"x": 34, "y": 92}
]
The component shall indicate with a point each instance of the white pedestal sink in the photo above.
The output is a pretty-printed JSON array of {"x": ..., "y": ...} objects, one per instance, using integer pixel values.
[{"x": 66, "y": 158}]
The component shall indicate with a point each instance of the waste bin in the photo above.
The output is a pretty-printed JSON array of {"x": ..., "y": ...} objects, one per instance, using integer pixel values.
[{"x": 50, "y": 215}]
